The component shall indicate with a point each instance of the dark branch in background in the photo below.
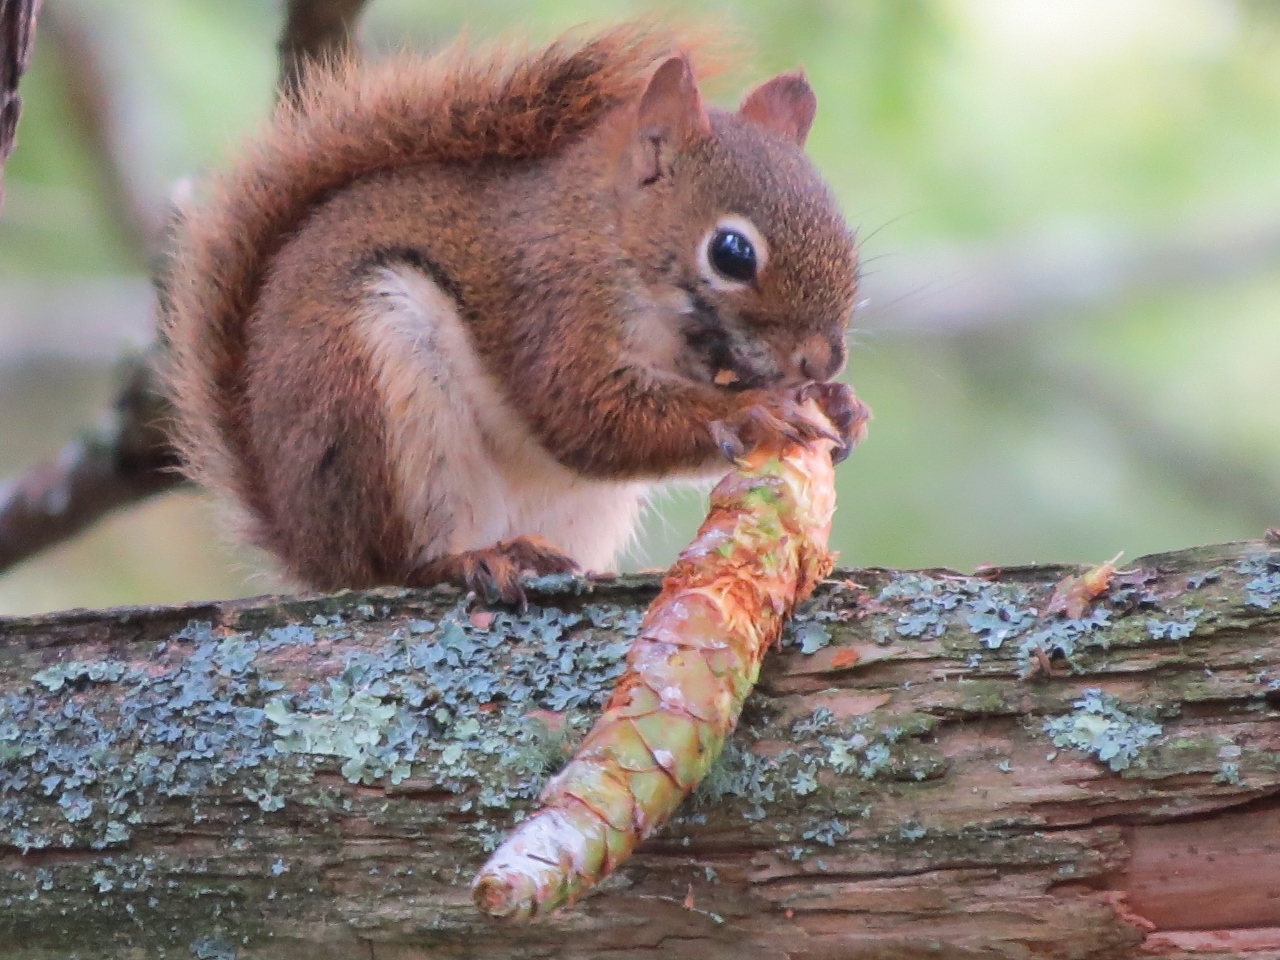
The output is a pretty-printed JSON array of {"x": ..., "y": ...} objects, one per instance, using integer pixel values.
[
  {"x": 128, "y": 458},
  {"x": 1241, "y": 488},
  {"x": 17, "y": 36},
  {"x": 315, "y": 30},
  {"x": 94, "y": 112}
]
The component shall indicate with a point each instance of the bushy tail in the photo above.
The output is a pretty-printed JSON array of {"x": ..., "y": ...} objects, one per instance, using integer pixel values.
[{"x": 353, "y": 121}]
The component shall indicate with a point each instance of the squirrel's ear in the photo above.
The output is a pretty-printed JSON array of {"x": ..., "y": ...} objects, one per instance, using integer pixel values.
[
  {"x": 670, "y": 112},
  {"x": 785, "y": 105}
]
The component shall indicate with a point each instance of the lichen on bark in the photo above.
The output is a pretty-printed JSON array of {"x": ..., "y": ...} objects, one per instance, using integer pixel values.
[{"x": 288, "y": 776}]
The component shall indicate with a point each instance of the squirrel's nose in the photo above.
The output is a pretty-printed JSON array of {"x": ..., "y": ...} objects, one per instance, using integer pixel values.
[{"x": 821, "y": 357}]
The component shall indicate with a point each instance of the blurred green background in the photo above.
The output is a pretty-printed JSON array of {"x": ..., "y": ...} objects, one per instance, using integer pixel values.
[{"x": 1070, "y": 214}]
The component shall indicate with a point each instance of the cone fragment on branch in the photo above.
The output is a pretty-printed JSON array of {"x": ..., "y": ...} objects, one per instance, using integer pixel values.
[{"x": 760, "y": 552}]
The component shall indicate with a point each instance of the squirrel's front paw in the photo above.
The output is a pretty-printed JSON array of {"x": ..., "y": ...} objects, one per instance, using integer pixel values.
[
  {"x": 496, "y": 572},
  {"x": 782, "y": 419},
  {"x": 772, "y": 422},
  {"x": 841, "y": 406}
]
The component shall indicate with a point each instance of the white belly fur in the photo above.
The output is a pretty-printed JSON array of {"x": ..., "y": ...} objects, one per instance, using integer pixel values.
[{"x": 469, "y": 472}]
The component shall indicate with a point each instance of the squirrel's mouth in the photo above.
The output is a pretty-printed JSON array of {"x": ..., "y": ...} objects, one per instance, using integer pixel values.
[
  {"x": 717, "y": 354},
  {"x": 714, "y": 363}
]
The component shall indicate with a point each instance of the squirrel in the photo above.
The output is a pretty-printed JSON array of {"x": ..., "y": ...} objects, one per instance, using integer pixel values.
[{"x": 450, "y": 318}]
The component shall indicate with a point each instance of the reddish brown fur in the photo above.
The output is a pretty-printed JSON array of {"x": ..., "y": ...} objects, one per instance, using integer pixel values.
[
  {"x": 350, "y": 122},
  {"x": 278, "y": 397}
]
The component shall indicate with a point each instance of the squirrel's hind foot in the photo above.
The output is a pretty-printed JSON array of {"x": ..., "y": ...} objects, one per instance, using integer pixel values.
[{"x": 496, "y": 572}]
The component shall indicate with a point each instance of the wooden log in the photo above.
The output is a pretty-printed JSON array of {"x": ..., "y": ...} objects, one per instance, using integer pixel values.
[{"x": 933, "y": 766}]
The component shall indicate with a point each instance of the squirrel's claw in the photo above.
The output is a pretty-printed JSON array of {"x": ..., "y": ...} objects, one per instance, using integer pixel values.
[
  {"x": 727, "y": 440},
  {"x": 778, "y": 421},
  {"x": 781, "y": 420},
  {"x": 495, "y": 578},
  {"x": 496, "y": 572},
  {"x": 847, "y": 413}
]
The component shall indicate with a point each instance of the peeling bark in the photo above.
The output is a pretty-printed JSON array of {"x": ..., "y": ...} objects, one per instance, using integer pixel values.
[{"x": 290, "y": 777}]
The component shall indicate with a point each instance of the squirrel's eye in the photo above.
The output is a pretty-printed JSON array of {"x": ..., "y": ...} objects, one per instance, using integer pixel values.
[{"x": 732, "y": 255}]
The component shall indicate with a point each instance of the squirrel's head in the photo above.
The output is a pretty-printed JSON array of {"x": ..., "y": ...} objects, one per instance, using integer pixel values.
[{"x": 742, "y": 251}]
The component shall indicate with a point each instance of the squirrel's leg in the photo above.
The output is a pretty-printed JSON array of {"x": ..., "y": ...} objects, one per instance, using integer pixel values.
[{"x": 496, "y": 571}]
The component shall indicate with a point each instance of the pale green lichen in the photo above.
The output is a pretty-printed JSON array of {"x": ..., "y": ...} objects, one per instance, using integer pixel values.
[
  {"x": 1174, "y": 629},
  {"x": 352, "y": 726},
  {"x": 191, "y": 714},
  {"x": 827, "y": 832},
  {"x": 737, "y": 772},
  {"x": 1229, "y": 773},
  {"x": 1263, "y": 590},
  {"x": 70, "y": 674},
  {"x": 203, "y": 709},
  {"x": 1099, "y": 726},
  {"x": 811, "y": 637}
]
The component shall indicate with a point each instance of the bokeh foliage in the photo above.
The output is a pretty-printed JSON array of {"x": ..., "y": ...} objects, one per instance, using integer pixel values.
[{"x": 973, "y": 126}]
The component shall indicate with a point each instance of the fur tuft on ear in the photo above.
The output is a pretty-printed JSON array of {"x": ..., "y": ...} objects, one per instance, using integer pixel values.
[
  {"x": 670, "y": 113},
  {"x": 785, "y": 105}
]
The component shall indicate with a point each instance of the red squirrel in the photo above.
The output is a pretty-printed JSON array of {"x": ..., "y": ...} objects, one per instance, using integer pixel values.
[{"x": 451, "y": 318}]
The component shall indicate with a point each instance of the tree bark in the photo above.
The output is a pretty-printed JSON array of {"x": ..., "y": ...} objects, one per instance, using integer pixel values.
[
  {"x": 293, "y": 777},
  {"x": 17, "y": 36}
]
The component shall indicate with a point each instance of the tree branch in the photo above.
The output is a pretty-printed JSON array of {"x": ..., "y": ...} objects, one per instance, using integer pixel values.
[
  {"x": 315, "y": 31},
  {"x": 93, "y": 104},
  {"x": 17, "y": 37},
  {"x": 128, "y": 459},
  {"x": 286, "y": 778}
]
